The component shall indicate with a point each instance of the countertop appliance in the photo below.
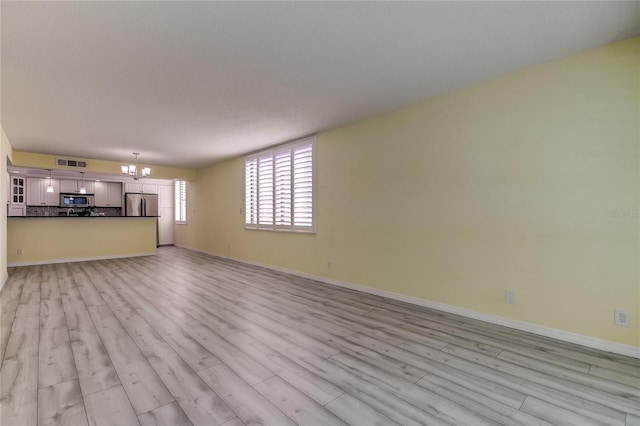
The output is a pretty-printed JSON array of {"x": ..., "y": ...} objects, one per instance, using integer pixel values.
[
  {"x": 76, "y": 200},
  {"x": 140, "y": 204}
]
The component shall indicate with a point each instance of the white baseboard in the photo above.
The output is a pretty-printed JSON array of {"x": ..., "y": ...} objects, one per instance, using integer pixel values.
[
  {"x": 566, "y": 336},
  {"x": 80, "y": 259}
]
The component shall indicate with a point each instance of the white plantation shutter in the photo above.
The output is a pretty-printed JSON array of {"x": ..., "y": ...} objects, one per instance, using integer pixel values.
[
  {"x": 180, "y": 201},
  {"x": 265, "y": 190},
  {"x": 283, "y": 188},
  {"x": 279, "y": 188},
  {"x": 251, "y": 191},
  {"x": 303, "y": 186}
]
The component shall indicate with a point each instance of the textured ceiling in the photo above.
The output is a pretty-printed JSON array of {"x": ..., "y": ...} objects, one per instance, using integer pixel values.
[{"x": 191, "y": 83}]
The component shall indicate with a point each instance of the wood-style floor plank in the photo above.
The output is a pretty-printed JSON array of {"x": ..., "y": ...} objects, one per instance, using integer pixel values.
[
  {"x": 297, "y": 406},
  {"x": 19, "y": 397},
  {"x": 239, "y": 362},
  {"x": 306, "y": 382},
  {"x": 479, "y": 402},
  {"x": 192, "y": 352},
  {"x": 9, "y": 300},
  {"x": 167, "y": 415},
  {"x": 95, "y": 371},
  {"x": 387, "y": 403},
  {"x": 246, "y": 402},
  {"x": 61, "y": 404},
  {"x": 56, "y": 360},
  {"x": 357, "y": 413},
  {"x": 110, "y": 407},
  {"x": 632, "y": 420},
  {"x": 197, "y": 400},
  {"x": 141, "y": 383},
  {"x": 187, "y": 338},
  {"x": 448, "y": 411},
  {"x": 554, "y": 414}
]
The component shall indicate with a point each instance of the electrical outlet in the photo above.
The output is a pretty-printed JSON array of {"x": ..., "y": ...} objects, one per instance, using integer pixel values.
[
  {"x": 19, "y": 252},
  {"x": 510, "y": 297},
  {"x": 621, "y": 318}
]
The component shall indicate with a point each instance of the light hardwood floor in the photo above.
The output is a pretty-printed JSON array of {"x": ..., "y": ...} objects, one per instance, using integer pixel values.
[{"x": 184, "y": 338}]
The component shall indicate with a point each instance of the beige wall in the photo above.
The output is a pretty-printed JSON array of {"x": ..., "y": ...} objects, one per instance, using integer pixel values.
[
  {"x": 5, "y": 154},
  {"x": 45, "y": 240},
  {"x": 503, "y": 185}
]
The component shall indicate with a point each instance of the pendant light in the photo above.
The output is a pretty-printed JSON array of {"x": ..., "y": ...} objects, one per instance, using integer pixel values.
[
  {"x": 83, "y": 190},
  {"x": 50, "y": 186},
  {"x": 132, "y": 169}
]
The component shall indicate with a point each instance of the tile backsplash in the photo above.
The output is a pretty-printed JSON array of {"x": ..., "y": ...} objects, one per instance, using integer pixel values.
[{"x": 55, "y": 211}]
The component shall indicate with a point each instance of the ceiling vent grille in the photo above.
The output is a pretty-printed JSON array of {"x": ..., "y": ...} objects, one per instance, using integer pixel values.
[{"x": 66, "y": 162}]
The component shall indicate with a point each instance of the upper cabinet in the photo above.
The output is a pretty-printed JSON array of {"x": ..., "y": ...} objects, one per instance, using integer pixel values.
[
  {"x": 141, "y": 187},
  {"x": 108, "y": 194},
  {"x": 73, "y": 186},
  {"x": 17, "y": 190},
  {"x": 37, "y": 194}
]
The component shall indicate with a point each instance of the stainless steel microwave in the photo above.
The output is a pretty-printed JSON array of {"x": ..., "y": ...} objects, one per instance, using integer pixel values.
[{"x": 76, "y": 200}]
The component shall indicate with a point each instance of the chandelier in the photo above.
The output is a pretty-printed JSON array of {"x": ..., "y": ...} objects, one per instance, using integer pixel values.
[{"x": 133, "y": 170}]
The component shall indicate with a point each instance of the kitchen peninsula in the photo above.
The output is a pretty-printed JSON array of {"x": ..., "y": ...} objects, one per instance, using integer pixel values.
[
  {"x": 34, "y": 240},
  {"x": 75, "y": 217}
]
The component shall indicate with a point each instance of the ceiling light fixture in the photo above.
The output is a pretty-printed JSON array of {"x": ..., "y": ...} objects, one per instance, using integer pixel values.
[{"x": 132, "y": 169}]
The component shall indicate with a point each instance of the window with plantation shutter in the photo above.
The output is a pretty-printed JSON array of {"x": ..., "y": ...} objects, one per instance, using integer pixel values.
[
  {"x": 279, "y": 188},
  {"x": 181, "y": 201}
]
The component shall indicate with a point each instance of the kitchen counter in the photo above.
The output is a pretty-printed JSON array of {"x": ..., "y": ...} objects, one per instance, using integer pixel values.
[
  {"x": 33, "y": 240},
  {"x": 81, "y": 217}
]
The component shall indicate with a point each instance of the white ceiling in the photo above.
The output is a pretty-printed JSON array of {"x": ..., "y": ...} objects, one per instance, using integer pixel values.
[{"x": 190, "y": 83}]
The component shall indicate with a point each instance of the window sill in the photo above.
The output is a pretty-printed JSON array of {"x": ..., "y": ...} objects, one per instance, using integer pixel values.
[{"x": 291, "y": 231}]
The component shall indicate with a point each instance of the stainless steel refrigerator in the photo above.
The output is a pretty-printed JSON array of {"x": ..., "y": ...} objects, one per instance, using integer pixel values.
[{"x": 142, "y": 205}]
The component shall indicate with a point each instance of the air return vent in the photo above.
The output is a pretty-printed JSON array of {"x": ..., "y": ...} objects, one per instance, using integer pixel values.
[{"x": 67, "y": 162}]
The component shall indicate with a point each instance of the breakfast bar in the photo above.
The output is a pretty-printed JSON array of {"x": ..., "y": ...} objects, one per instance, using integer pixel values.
[{"x": 55, "y": 239}]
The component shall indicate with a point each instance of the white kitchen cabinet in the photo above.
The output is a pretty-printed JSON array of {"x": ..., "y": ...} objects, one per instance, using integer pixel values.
[
  {"x": 133, "y": 187},
  {"x": 37, "y": 194},
  {"x": 114, "y": 195},
  {"x": 165, "y": 196},
  {"x": 16, "y": 210},
  {"x": 145, "y": 188},
  {"x": 73, "y": 186},
  {"x": 165, "y": 225},
  {"x": 108, "y": 194},
  {"x": 16, "y": 190},
  {"x": 149, "y": 189}
]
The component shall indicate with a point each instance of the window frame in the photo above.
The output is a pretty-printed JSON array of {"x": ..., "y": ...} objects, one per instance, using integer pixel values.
[
  {"x": 273, "y": 152},
  {"x": 179, "y": 202}
]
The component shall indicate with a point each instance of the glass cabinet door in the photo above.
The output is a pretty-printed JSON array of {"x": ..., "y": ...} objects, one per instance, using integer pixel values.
[{"x": 17, "y": 190}]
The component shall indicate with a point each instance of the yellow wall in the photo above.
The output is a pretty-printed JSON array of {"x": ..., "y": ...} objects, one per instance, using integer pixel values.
[
  {"x": 503, "y": 185},
  {"x": 5, "y": 154},
  {"x": 46, "y": 161},
  {"x": 56, "y": 239}
]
